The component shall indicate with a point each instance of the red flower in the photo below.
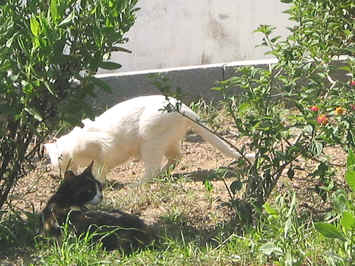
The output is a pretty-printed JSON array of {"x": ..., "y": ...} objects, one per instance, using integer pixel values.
[
  {"x": 314, "y": 108},
  {"x": 352, "y": 83},
  {"x": 352, "y": 106},
  {"x": 322, "y": 119}
]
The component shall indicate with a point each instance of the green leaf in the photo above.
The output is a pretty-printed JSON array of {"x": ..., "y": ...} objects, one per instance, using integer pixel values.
[
  {"x": 5, "y": 66},
  {"x": 121, "y": 49},
  {"x": 350, "y": 171},
  {"x": 266, "y": 29},
  {"x": 351, "y": 159},
  {"x": 317, "y": 148},
  {"x": 346, "y": 68},
  {"x": 27, "y": 87},
  {"x": 49, "y": 88},
  {"x": 10, "y": 41},
  {"x": 270, "y": 210},
  {"x": 208, "y": 185},
  {"x": 329, "y": 231},
  {"x": 101, "y": 84},
  {"x": 34, "y": 113},
  {"x": 350, "y": 178},
  {"x": 244, "y": 107},
  {"x": 54, "y": 9},
  {"x": 236, "y": 186},
  {"x": 35, "y": 26},
  {"x": 348, "y": 220},
  {"x": 288, "y": 226},
  {"x": 109, "y": 65},
  {"x": 275, "y": 39},
  {"x": 269, "y": 248},
  {"x": 68, "y": 19},
  {"x": 292, "y": 206}
]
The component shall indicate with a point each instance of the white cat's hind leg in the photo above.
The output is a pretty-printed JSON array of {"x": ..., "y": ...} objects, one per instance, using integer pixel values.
[
  {"x": 152, "y": 157},
  {"x": 173, "y": 154}
]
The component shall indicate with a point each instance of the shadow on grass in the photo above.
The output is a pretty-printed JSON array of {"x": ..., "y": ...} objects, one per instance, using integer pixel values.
[
  {"x": 204, "y": 174},
  {"x": 182, "y": 233},
  {"x": 18, "y": 231},
  {"x": 114, "y": 184},
  {"x": 195, "y": 176},
  {"x": 19, "y": 245}
]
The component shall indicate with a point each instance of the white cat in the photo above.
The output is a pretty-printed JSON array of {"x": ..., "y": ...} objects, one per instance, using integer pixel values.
[{"x": 139, "y": 128}]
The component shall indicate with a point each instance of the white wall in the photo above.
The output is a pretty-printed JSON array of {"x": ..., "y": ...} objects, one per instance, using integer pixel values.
[{"x": 174, "y": 33}]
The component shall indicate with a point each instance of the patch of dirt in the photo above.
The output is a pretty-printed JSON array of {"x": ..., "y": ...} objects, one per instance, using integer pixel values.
[
  {"x": 181, "y": 198},
  {"x": 182, "y": 192}
]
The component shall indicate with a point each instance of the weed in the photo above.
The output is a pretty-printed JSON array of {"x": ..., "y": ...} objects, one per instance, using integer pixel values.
[{"x": 343, "y": 232}]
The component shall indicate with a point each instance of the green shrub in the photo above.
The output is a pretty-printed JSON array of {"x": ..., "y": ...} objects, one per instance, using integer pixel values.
[
  {"x": 44, "y": 47},
  {"x": 299, "y": 106}
]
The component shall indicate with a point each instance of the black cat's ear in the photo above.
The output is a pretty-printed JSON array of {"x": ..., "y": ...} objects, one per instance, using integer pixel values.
[
  {"x": 68, "y": 175},
  {"x": 88, "y": 170}
]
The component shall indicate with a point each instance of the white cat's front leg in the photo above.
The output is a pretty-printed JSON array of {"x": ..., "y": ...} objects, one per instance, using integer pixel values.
[
  {"x": 170, "y": 164},
  {"x": 150, "y": 171}
]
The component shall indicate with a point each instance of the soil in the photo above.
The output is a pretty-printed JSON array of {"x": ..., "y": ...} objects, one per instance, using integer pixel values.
[
  {"x": 181, "y": 199},
  {"x": 200, "y": 162}
]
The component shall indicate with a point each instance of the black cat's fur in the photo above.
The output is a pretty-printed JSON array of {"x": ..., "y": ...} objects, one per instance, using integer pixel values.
[{"x": 116, "y": 229}]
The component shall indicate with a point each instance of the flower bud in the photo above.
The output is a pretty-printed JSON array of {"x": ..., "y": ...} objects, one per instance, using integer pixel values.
[
  {"x": 339, "y": 110},
  {"x": 314, "y": 108},
  {"x": 322, "y": 120}
]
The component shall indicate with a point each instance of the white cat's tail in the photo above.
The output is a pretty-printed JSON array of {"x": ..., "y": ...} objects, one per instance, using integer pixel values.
[{"x": 212, "y": 138}]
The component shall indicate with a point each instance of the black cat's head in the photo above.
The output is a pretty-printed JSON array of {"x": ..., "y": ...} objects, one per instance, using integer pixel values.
[{"x": 78, "y": 190}]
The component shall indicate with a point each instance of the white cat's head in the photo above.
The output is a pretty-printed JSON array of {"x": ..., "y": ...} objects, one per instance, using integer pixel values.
[
  {"x": 56, "y": 155},
  {"x": 59, "y": 154},
  {"x": 61, "y": 150}
]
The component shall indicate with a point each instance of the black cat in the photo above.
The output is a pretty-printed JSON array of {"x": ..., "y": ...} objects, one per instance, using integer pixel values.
[{"x": 116, "y": 230}]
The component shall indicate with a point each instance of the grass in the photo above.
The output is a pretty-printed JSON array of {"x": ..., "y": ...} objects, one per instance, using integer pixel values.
[
  {"x": 195, "y": 224},
  {"x": 283, "y": 236}
]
